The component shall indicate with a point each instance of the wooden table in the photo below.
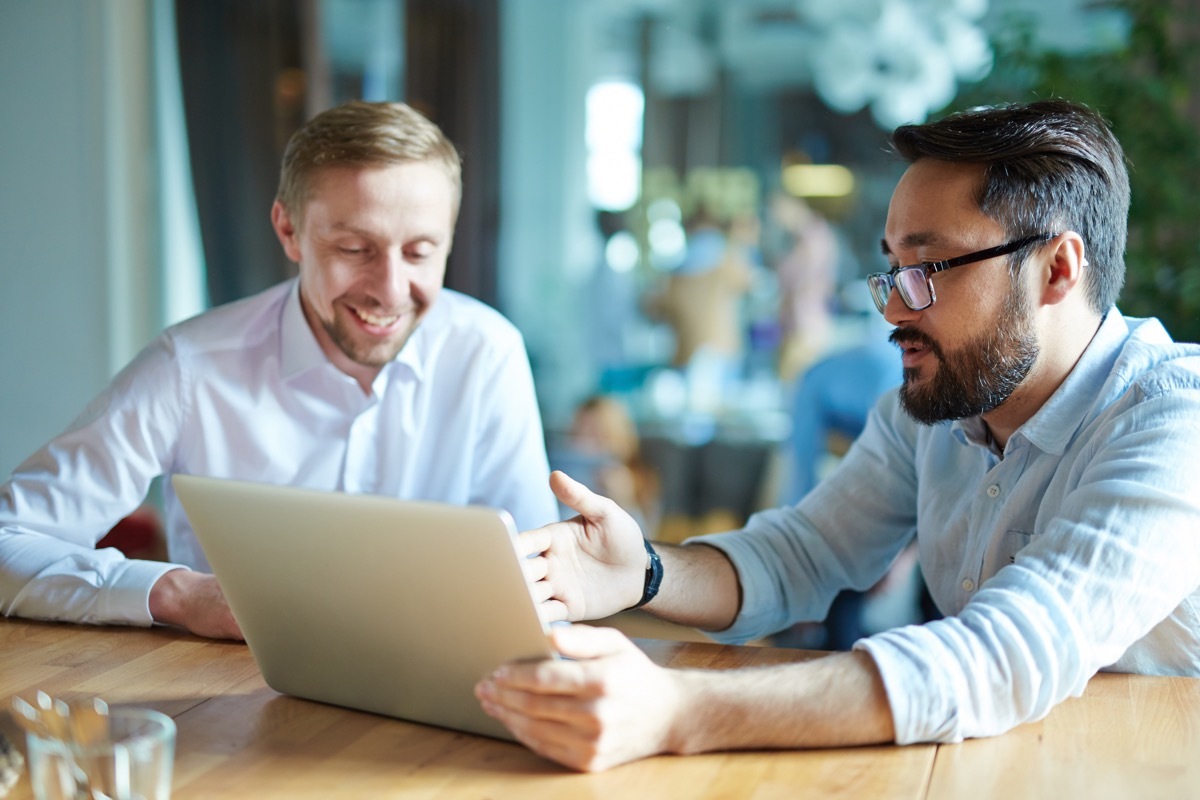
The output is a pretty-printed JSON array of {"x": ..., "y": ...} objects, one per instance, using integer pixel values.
[{"x": 1127, "y": 737}]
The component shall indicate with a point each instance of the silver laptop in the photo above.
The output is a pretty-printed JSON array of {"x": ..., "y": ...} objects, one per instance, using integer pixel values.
[{"x": 389, "y": 606}]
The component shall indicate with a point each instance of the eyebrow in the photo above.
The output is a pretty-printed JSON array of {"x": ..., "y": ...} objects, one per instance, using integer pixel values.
[
  {"x": 918, "y": 239},
  {"x": 343, "y": 227}
]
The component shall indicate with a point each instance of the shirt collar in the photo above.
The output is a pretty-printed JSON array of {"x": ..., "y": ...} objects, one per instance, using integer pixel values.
[
  {"x": 1055, "y": 423},
  {"x": 300, "y": 350}
]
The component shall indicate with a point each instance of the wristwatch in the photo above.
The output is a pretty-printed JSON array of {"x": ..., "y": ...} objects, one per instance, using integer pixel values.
[{"x": 654, "y": 575}]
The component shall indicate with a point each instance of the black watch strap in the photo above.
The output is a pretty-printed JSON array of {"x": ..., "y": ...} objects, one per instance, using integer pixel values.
[{"x": 654, "y": 575}]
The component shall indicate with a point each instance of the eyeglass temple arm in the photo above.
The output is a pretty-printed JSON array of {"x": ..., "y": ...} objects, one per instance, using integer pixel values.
[{"x": 991, "y": 252}]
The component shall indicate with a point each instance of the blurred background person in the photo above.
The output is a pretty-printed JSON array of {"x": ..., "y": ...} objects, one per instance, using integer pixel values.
[
  {"x": 606, "y": 445},
  {"x": 701, "y": 300},
  {"x": 807, "y": 283}
]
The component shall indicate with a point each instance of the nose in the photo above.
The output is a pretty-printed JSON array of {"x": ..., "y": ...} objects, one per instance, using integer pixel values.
[
  {"x": 897, "y": 311},
  {"x": 392, "y": 279}
]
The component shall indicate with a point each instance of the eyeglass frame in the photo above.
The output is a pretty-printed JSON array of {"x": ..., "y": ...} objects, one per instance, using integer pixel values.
[{"x": 930, "y": 268}]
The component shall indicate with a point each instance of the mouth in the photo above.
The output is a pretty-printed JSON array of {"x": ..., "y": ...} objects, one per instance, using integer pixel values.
[
  {"x": 377, "y": 320},
  {"x": 911, "y": 355},
  {"x": 913, "y": 348}
]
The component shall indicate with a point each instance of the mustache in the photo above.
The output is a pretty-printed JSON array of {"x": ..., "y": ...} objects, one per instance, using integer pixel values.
[{"x": 911, "y": 336}]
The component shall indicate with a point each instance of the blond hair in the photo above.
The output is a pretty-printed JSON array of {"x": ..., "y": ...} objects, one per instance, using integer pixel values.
[{"x": 359, "y": 133}]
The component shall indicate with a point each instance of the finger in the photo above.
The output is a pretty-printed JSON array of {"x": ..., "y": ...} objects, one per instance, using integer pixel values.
[
  {"x": 576, "y": 710},
  {"x": 578, "y": 497},
  {"x": 589, "y": 641},
  {"x": 536, "y": 541},
  {"x": 541, "y": 591},
  {"x": 546, "y": 677},
  {"x": 534, "y": 568},
  {"x": 550, "y": 610},
  {"x": 551, "y": 740}
]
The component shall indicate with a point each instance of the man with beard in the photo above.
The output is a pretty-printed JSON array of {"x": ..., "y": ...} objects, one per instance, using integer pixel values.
[
  {"x": 361, "y": 375},
  {"x": 1042, "y": 451}
]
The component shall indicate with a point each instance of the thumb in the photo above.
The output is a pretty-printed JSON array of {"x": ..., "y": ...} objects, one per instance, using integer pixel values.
[
  {"x": 588, "y": 641},
  {"x": 578, "y": 497}
]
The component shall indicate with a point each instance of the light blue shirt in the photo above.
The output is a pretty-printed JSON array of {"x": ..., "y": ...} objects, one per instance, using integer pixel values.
[
  {"x": 244, "y": 391},
  {"x": 1079, "y": 550}
]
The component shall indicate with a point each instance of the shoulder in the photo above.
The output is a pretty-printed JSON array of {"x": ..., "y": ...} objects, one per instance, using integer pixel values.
[
  {"x": 470, "y": 323},
  {"x": 239, "y": 325},
  {"x": 1154, "y": 364},
  {"x": 890, "y": 429}
]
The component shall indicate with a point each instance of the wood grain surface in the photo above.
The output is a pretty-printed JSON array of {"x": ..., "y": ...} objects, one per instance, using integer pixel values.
[{"x": 1128, "y": 736}]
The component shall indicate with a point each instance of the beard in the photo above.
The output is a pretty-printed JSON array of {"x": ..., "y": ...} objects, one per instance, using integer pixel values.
[
  {"x": 976, "y": 377},
  {"x": 369, "y": 353}
]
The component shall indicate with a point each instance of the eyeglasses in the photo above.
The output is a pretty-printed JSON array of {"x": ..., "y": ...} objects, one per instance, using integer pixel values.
[{"x": 915, "y": 282}]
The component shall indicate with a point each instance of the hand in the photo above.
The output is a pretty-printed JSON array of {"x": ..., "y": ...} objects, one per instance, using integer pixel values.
[
  {"x": 588, "y": 567},
  {"x": 193, "y": 601},
  {"x": 609, "y": 706}
]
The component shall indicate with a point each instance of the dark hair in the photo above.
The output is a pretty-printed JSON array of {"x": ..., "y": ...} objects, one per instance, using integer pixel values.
[
  {"x": 1052, "y": 166},
  {"x": 359, "y": 133}
]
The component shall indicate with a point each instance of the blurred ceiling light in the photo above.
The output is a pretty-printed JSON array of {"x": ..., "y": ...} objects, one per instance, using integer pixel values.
[
  {"x": 903, "y": 58},
  {"x": 614, "y": 141},
  {"x": 621, "y": 253},
  {"x": 664, "y": 208},
  {"x": 668, "y": 244},
  {"x": 817, "y": 180},
  {"x": 614, "y": 179}
]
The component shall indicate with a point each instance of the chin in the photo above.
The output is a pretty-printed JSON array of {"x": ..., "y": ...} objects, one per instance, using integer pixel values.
[{"x": 379, "y": 354}]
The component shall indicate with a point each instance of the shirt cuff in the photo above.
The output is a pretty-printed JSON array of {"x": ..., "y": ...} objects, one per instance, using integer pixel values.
[
  {"x": 918, "y": 714},
  {"x": 127, "y": 598}
]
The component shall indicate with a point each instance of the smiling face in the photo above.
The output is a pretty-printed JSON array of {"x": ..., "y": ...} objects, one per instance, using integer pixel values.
[
  {"x": 371, "y": 243},
  {"x": 974, "y": 347}
]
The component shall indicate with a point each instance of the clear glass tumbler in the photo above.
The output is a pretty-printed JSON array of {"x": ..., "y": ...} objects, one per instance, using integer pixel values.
[{"x": 131, "y": 761}]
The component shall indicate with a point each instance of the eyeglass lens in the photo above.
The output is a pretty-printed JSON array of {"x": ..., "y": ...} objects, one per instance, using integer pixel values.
[
  {"x": 880, "y": 285},
  {"x": 912, "y": 284}
]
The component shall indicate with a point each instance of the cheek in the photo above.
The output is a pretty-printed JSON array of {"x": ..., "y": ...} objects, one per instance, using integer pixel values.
[
  {"x": 325, "y": 281},
  {"x": 428, "y": 294},
  {"x": 974, "y": 303},
  {"x": 429, "y": 284}
]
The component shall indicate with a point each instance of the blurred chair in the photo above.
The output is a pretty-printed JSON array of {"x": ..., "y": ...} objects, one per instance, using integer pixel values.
[
  {"x": 707, "y": 487},
  {"x": 830, "y": 406},
  {"x": 139, "y": 535}
]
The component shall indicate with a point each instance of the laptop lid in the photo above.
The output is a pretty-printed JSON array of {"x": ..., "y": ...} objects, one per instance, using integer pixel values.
[{"x": 390, "y": 606}]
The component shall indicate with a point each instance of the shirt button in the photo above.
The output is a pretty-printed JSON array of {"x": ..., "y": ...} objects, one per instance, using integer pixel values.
[
  {"x": 993, "y": 491},
  {"x": 968, "y": 585}
]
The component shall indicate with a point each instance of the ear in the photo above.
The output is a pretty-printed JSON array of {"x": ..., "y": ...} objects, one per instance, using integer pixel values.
[
  {"x": 1062, "y": 274},
  {"x": 286, "y": 230}
]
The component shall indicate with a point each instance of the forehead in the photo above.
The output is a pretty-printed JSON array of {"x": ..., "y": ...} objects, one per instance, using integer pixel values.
[
  {"x": 936, "y": 202},
  {"x": 418, "y": 191}
]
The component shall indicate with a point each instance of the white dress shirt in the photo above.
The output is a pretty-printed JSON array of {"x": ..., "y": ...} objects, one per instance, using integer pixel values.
[
  {"x": 244, "y": 391},
  {"x": 1078, "y": 550}
]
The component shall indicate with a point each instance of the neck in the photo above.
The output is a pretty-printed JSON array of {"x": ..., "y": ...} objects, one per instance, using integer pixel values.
[
  {"x": 1055, "y": 362},
  {"x": 363, "y": 374}
]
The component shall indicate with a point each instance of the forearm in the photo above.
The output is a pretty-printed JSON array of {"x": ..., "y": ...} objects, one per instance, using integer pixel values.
[
  {"x": 699, "y": 587},
  {"x": 836, "y": 701},
  {"x": 42, "y": 577},
  {"x": 60, "y": 502}
]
